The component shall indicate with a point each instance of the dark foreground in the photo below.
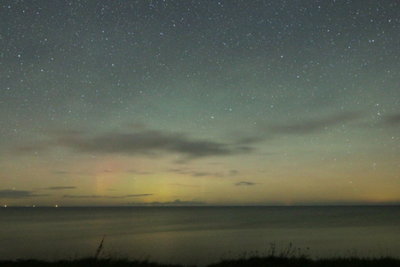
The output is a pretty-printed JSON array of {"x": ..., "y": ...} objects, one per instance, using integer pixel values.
[{"x": 254, "y": 261}]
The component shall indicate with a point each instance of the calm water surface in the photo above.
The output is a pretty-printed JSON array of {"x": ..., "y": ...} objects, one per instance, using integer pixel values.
[{"x": 197, "y": 235}]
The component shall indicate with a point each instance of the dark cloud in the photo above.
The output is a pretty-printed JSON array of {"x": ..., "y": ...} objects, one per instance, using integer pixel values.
[
  {"x": 137, "y": 125},
  {"x": 244, "y": 183},
  {"x": 176, "y": 202},
  {"x": 233, "y": 172},
  {"x": 145, "y": 142},
  {"x": 196, "y": 173},
  {"x": 108, "y": 197},
  {"x": 153, "y": 142},
  {"x": 249, "y": 139},
  {"x": 311, "y": 126},
  {"x": 204, "y": 173},
  {"x": 300, "y": 127},
  {"x": 392, "y": 120},
  {"x": 201, "y": 174},
  {"x": 60, "y": 187},
  {"x": 8, "y": 193}
]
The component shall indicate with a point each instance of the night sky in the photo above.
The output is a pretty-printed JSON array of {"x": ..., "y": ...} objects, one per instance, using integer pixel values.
[{"x": 199, "y": 102}]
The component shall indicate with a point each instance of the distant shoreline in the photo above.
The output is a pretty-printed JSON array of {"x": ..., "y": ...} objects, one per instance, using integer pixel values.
[{"x": 208, "y": 206}]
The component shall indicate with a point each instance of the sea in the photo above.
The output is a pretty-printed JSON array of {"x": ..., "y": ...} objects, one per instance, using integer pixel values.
[{"x": 199, "y": 235}]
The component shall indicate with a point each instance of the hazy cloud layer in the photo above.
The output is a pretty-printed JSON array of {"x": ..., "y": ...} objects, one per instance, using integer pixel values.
[
  {"x": 245, "y": 183},
  {"x": 203, "y": 173},
  {"x": 392, "y": 120},
  {"x": 176, "y": 202},
  {"x": 153, "y": 142},
  {"x": 311, "y": 126},
  {"x": 60, "y": 187},
  {"x": 300, "y": 127},
  {"x": 8, "y": 193},
  {"x": 196, "y": 173},
  {"x": 233, "y": 172},
  {"x": 105, "y": 197},
  {"x": 146, "y": 142}
]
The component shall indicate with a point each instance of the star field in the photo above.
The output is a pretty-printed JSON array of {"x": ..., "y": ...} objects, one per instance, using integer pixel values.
[{"x": 216, "y": 102}]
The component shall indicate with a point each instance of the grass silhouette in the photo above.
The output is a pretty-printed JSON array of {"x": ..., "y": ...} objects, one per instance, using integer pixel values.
[
  {"x": 288, "y": 257},
  {"x": 268, "y": 261}
]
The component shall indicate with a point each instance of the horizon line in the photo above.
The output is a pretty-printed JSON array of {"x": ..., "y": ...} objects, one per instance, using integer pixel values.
[{"x": 206, "y": 205}]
